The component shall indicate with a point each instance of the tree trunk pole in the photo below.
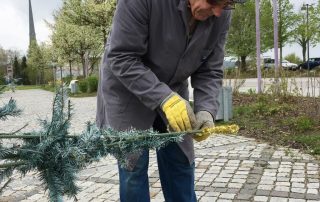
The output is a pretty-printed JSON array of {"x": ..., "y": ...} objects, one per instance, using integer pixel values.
[
  {"x": 276, "y": 39},
  {"x": 258, "y": 44}
]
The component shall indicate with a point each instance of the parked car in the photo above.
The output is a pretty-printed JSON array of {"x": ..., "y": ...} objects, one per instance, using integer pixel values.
[
  {"x": 230, "y": 62},
  {"x": 269, "y": 63},
  {"x": 313, "y": 63},
  {"x": 288, "y": 65}
]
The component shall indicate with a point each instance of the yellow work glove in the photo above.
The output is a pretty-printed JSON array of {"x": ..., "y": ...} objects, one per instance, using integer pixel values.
[
  {"x": 178, "y": 113},
  {"x": 204, "y": 120}
]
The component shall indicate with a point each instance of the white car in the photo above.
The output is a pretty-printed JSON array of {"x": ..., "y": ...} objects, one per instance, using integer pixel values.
[
  {"x": 288, "y": 65},
  {"x": 230, "y": 62}
]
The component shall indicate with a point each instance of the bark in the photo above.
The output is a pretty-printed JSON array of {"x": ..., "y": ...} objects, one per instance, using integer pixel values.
[
  {"x": 70, "y": 68},
  {"x": 243, "y": 66}
]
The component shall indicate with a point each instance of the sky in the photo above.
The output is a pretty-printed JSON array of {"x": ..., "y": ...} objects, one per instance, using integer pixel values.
[{"x": 14, "y": 25}]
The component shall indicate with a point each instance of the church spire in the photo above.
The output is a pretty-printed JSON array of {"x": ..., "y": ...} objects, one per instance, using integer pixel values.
[{"x": 32, "y": 32}]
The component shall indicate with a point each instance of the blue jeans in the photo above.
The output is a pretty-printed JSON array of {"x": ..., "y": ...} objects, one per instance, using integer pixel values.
[{"x": 176, "y": 176}]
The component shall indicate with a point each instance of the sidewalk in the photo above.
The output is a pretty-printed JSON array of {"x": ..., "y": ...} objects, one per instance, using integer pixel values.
[{"x": 228, "y": 168}]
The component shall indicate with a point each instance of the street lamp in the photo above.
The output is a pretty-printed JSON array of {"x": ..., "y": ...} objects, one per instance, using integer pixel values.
[{"x": 306, "y": 7}]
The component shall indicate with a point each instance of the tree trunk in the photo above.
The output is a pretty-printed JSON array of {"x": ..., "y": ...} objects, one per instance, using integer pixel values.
[
  {"x": 304, "y": 50},
  {"x": 83, "y": 62},
  {"x": 70, "y": 68},
  {"x": 280, "y": 33},
  {"x": 243, "y": 66}
]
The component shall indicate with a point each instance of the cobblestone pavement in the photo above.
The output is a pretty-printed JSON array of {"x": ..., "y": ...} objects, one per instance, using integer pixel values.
[{"x": 228, "y": 168}]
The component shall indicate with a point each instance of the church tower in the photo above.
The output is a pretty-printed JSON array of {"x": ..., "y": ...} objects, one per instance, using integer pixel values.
[{"x": 32, "y": 32}]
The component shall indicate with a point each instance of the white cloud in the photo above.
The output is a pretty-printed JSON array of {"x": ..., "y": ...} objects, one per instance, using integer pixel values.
[
  {"x": 14, "y": 32},
  {"x": 14, "y": 22},
  {"x": 42, "y": 31}
]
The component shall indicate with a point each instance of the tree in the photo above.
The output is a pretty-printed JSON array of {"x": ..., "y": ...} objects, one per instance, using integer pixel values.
[
  {"x": 76, "y": 43},
  {"x": 293, "y": 58},
  {"x": 317, "y": 20},
  {"x": 266, "y": 25},
  {"x": 241, "y": 38},
  {"x": 24, "y": 74},
  {"x": 3, "y": 63},
  {"x": 96, "y": 14},
  {"x": 35, "y": 64},
  {"x": 16, "y": 68},
  {"x": 3, "y": 56},
  {"x": 287, "y": 23},
  {"x": 242, "y": 34},
  {"x": 305, "y": 32},
  {"x": 81, "y": 30}
]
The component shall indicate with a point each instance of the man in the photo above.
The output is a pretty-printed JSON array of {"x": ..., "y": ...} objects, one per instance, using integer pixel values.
[{"x": 154, "y": 46}]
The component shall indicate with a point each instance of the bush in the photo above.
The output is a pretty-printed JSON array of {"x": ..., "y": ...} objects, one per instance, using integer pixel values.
[
  {"x": 92, "y": 84},
  {"x": 2, "y": 81},
  {"x": 80, "y": 77},
  {"x": 83, "y": 86},
  {"x": 67, "y": 79}
]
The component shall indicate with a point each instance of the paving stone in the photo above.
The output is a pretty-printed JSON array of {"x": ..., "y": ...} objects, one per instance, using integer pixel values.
[
  {"x": 313, "y": 185},
  {"x": 263, "y": 192},
  {"x": 279, "y": 193},
  {"x": 208, "y": 199},
  {"x": 212, "y": 194},
  {"x": 297, "y": 200},
  {"x": 227, "y": 196},
  {"x": 266, "y": 187},
  {"x": 261, "y": 198},
  {"x": 313, "y": 197},
  {"x": 244, "y": 196},
  {"x": 233, "y": 191},
  {"x": 297, "y": 196},
  {"x": 248, "y": 191},
  {"x": 278, "y": 199},
  {"x": 235, "y": 185},
  {"x": 298, "y": 190},
  {"x": 282, "y": 188},
  {"x": 221, "y": 190}
]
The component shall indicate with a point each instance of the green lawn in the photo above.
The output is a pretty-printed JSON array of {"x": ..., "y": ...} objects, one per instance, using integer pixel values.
[{"x": 282, "y": 120}]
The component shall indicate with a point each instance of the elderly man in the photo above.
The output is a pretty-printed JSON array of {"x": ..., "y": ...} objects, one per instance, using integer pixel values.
[{"x": 153, "y": 48}]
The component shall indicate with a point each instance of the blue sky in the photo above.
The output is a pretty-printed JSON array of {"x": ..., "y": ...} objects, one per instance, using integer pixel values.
[{"x": 14, "y": 28}]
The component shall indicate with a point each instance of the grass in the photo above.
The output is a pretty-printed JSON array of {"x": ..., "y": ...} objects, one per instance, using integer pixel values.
[
  {"x": 52, "y": 89},
  {"x": 280, "y": 120},
  {"x": 80, "y": 95},
  {"x": 32, "y": 87},
  {"x": 27, "y": 87}
]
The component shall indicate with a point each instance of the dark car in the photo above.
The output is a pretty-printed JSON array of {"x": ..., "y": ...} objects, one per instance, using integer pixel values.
[{"x": 313, "y": 63}]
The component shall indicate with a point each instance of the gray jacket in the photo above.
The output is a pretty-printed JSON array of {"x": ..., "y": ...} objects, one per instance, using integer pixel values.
[{"x": 148, "y": 55}]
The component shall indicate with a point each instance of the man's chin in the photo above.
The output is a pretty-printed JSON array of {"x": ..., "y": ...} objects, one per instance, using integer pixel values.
[{"x": 201, "y": 17}]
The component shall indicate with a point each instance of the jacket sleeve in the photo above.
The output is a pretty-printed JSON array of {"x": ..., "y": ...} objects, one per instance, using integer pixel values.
[
  {"x": 207, "y": 80},
  {"x": 128, "y": 45}
]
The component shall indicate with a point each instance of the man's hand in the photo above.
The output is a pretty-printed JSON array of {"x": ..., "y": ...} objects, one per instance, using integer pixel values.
[
  {"x": 204, "y": 120},
  {"x": 178, "y": 113}
]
